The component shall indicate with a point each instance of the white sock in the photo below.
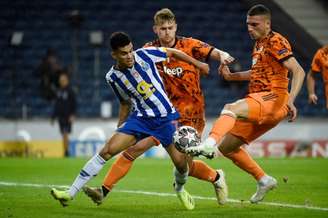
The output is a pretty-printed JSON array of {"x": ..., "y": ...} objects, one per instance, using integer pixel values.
[
  {"x": 264, "y": 179},
  {"x": 180, "y": 179},
  {"x": 90, "y": 169},
  {"x": 209, "y": 142}
]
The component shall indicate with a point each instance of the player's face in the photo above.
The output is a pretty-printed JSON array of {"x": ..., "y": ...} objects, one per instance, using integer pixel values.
[
  {"x": 63, "y": 81},
  {"x": 124, "y": 56},
  {"x": 258, "y": 26},
  {"x": 166, "y": 32}
]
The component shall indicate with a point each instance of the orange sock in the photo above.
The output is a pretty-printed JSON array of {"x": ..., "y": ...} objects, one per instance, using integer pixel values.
[
  {"x": 118, "y": 170},
  {"x": 202, "y": 171},
  {"x": 222, "y": 126},
  {"x": 243, "y": 160}
]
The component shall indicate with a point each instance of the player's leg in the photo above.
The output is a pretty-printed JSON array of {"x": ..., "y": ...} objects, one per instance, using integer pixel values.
[
  {"x": 231, "y": 148},
  {"x": 119, "y": 169},
  {"x": 200, "y": 170},
  {"x": 180, "y": 174},
  {"x": 65, "y": 129},
  {"x": 118, "y": 142},
  {"x": 221, "y": 127}
]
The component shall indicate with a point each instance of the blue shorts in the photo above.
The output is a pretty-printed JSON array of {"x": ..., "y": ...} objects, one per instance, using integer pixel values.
[{"x": 162, "y": 128}]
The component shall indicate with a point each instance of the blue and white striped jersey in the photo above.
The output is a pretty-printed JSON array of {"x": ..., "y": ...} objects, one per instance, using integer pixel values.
[{"x": 142, "y": 84}]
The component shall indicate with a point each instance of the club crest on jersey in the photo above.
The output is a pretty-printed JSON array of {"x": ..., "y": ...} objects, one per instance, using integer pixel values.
[
  {"x": 144, "y": 66},
  {"x": 254, "y": 61},
  {"x": 173, "y": 71}
]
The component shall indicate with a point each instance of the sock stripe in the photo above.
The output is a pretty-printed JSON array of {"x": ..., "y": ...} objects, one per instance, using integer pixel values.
[
  {"x": 83, "y": 173},
  {"x": 128, "y": 156}
]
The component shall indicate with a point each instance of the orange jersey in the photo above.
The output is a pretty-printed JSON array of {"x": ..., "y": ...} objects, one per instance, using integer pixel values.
[
  {"x": 182, "y": 80},
  {"x": 320, "y": 63},
  {"x": 268, "y": 72}
]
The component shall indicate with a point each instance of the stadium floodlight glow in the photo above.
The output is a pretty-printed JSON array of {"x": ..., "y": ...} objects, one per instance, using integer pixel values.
[
  {"x": 17, "y": 38},
  {"x": 96, "y": 38}
]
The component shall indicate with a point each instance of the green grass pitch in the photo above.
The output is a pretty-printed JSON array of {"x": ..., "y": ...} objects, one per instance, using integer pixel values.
[{"x": 147, "y": 190}]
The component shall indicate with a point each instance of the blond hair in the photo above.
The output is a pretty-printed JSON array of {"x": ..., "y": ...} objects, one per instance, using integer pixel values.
[{"x": 164, "y": 15}]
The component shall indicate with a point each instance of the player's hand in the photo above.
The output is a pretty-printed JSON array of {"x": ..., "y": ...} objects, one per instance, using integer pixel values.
[
  {"x": 71, "y": 118},
  {"x": 224, "y": 71},
  {"x": 292, "y": 111},
  {"x": 226, "y": 58},
  {"x": 204, "y": 68},
  {"x": 313, "y": 99}
]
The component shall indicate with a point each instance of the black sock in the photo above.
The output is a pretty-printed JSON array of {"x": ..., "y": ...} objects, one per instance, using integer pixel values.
[{"x": 104, "y": 190}]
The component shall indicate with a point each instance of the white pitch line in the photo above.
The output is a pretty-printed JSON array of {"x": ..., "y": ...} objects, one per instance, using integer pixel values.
[{"x": 2, "y": 183}]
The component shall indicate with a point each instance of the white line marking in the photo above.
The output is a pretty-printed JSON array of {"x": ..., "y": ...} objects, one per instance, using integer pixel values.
[{"x": 2, "y": 183}]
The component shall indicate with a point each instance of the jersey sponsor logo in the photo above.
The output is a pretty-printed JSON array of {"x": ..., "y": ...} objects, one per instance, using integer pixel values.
[
  {"x": 145, "y": 89},
  {"x": 173, "y": 71}
]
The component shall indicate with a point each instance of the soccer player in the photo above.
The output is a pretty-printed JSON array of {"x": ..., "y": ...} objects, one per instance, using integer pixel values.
[
  {"x": 267, "y": 103},
  {"x": 182, "y": 84},
  {"x": 137, "y": 83},
  {"x": 319, "y": 64}
]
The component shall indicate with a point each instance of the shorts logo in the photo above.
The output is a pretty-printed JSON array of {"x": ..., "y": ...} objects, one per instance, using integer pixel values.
[{"x": 173, "y": 71}]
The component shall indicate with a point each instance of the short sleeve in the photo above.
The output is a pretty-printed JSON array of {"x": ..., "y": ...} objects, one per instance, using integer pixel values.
[
  {"x": 157, "y": 54},
  {"x": 316, "y": 65},
  {"x": 200, "y": 50},
  {"x": 119, "y": 92},
  {"x": 280, "y": 48}
]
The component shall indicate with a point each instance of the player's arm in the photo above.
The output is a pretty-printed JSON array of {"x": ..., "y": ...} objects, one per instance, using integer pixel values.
[
  {"x": 297, "y": 81},
  {"x": 310, "y": 82},
  {"x": 237, "y": 76},
  {"x": 124, "y": 111},
  {"x": 171, "y": 52},
  {"x": 221, "y": 56},
  {"x": 125, "y": 102}
]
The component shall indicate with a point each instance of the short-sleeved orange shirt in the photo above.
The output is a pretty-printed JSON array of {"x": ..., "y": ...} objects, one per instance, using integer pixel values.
[
  {"x": 268, "y": 72},
  {"x": 182, "y": 80},
  {"x": 320, "y": 63}
]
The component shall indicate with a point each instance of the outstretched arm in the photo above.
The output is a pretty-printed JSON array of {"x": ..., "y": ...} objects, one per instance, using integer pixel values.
[
  {"x": 222, "y": 56},
  {"x": 237, "y": 76},
  {"x": 171, "y": 52},
  {"x": 297, "y": 81}
]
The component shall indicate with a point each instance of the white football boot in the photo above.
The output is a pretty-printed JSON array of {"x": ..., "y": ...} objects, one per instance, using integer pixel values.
[{"x": 264, "y": 185}]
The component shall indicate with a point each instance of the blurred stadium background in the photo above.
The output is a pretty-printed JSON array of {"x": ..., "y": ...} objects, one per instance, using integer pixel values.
[{"x": 78, "y": 30}]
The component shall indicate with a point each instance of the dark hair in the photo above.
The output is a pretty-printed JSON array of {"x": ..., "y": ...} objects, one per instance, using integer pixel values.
[
  {"x": 119, "y": 39},
  {"x": 259, "y": 9}
]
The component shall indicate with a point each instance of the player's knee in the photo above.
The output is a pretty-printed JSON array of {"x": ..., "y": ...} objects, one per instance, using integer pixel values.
[
  {"x": 230, "y": 110},
  {"x": 106, "y": 152}
]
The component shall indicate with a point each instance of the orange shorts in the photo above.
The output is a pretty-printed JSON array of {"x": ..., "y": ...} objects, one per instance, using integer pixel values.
[
  {"x": 266, "y": 110},
  {"x": 197, "y": 123}
]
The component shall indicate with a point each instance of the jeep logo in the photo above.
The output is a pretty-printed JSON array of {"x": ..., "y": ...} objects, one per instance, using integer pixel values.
[{"x": 174, "y": 71}]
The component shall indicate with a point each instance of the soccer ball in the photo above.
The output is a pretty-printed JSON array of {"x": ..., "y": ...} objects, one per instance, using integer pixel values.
[{"x": 184, "y": 137}]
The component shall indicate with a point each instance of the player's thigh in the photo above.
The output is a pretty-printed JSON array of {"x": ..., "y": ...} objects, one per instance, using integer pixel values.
[
  {"x": 179, "y": 159},
  {"x": 141, "y": 147},
  {"x": 238, "y": 108},
  {"x": 230, "y": 143},
  {"x": 117, "y": 143}
]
